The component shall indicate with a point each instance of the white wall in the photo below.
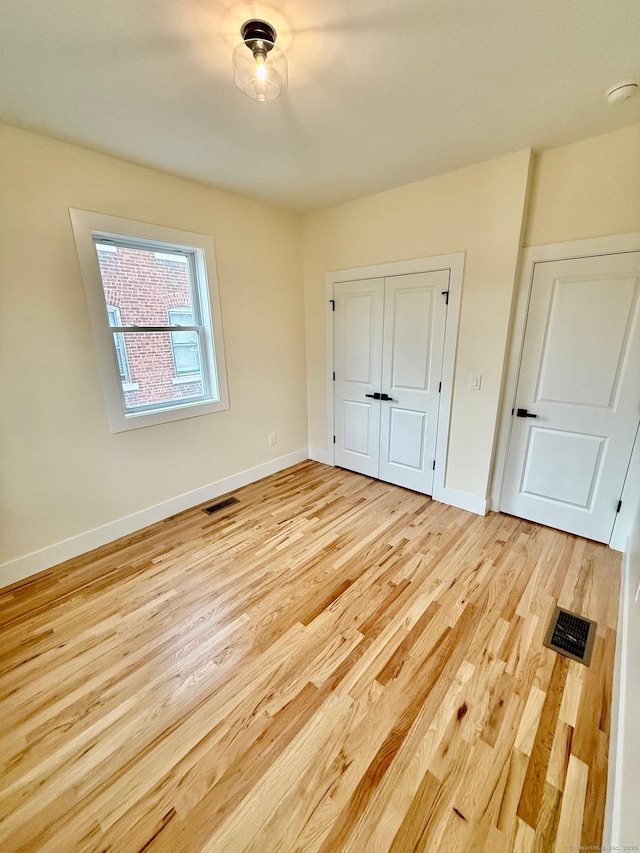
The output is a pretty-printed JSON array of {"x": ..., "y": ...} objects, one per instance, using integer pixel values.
[
  {"x": 626, "y": 777},
  {"x": 477, "y": 210},
  {"x": 588, "y": 189},
  {"x": 63, "y": 471}
]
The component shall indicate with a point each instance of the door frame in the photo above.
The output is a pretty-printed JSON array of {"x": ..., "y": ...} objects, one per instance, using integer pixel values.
[
  {"x": 574, "y": 249},
  {"x": 454, "y": 263}
]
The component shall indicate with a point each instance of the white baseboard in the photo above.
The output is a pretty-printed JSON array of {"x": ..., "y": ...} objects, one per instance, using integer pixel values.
[
  {"x": 462, "y": 500},
  {"x": 453, "y": 497},
  {"x": 30, "y": 564},
  {"x": 324, "y": 456}
]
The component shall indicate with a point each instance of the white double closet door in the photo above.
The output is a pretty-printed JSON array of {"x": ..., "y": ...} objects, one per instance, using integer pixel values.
[{"x": 388, "y": 342}]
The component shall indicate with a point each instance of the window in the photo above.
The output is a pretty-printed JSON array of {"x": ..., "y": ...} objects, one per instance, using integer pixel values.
[
  {"x": 155, "y": 315},
  {"x": 186, "y": 355}
]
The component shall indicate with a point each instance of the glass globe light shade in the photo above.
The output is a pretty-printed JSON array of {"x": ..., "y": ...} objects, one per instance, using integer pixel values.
[{"x": 260, "y": 72}]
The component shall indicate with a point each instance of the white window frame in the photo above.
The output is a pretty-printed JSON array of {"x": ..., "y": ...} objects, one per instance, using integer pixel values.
[{"x": 199, "y": 249}]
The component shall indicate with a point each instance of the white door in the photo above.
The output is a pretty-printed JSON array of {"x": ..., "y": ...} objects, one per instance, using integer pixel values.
[
  {"x": 359, "y": 309},
  {"x": 389, "y": 340},
  {"x": 578, "y": 398},
  {"x": 414, "y": 321}
]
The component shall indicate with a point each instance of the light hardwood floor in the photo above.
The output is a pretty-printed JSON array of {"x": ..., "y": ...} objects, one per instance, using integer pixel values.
[{"x": 333, "y": 664}]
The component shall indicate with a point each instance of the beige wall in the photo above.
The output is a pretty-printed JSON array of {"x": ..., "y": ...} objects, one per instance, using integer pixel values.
[
  {"x": 589, "y": 189},
  {"x": 64, "y": 472},
  {"x": 477, "y": 210}
]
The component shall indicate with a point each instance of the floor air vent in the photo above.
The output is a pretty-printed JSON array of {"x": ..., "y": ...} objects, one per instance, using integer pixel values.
[
  {"x": 571, "y": 635},
  {"x": 220, "y": 505}
]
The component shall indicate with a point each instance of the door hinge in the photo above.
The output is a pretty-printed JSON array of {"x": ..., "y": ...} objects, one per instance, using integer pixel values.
[
  {"x": 439, "y": 387},
  {"x": 334, "y": 439},
  {"x": 334, "y": 376},
  {"x": 433, "y": 467},
  {"x": 445, "y": 293},
  {"x": 619, "y": 506},
  {"x": 333, "y": 304}
]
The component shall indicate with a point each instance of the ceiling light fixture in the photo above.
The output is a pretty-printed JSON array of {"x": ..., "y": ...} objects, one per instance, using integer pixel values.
[{"x": 259, "y": 67}]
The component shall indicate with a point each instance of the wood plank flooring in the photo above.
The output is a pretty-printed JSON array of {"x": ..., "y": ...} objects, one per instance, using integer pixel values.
[{"x": 332, "y": 664}]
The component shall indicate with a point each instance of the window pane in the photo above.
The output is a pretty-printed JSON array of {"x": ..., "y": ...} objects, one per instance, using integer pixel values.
[
  {"x": 152, "y": 369},
  {"x": 180, "y": 317},
  {"x": 145, "y": 284},
  {"x": 118, "y": 342},
  {"x": 185, "y": 344},
  {"x": 185, "y": 352}
]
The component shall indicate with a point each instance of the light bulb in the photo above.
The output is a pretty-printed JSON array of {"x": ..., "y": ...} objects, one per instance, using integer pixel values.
[{"x": 262, "y": 72}]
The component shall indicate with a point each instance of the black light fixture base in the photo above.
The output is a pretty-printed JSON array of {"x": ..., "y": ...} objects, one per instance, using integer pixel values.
[{"x": 258, "y": 31}]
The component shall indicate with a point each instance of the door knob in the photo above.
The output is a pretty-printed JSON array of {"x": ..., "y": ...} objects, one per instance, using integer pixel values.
[
  {"x": 375, "y": 396},
  {"x": 387, "y": 398},
  {"x": 523, "y": 413}
]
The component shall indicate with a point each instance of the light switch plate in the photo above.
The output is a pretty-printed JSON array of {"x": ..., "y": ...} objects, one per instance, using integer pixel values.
[{"x": 475, "y": 381}]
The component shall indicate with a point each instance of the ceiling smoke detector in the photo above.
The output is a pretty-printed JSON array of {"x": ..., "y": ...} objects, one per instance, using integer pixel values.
[{"x": 622, "y": 91}]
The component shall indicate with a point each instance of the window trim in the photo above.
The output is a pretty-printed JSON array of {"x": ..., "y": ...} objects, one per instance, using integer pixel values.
[{"x": 200, "y": 251}]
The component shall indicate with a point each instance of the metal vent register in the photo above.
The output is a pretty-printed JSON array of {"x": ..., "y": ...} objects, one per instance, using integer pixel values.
[
  {"x": 571, "y": 635},
  {"x": 220, "y": 505}
]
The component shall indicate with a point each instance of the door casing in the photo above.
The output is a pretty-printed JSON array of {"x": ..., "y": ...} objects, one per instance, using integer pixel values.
[
  {"x": 590, "y": 247},
  {"x": 454, "y": 263}
]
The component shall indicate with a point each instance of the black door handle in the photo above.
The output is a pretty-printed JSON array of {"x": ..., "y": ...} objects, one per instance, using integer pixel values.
[
  {"x": 377, "y": 396},
  {"x": 523, "y": 413}
]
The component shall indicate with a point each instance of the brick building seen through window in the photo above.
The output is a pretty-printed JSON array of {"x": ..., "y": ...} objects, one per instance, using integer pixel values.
[{"x": 146, "y": 288}]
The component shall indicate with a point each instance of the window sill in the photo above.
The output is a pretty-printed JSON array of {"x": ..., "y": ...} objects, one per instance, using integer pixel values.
[
  {"x": 135, "y": 420},
  {"x": 186, "y": 378}
]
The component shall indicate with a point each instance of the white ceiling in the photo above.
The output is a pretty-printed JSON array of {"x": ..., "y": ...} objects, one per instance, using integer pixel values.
[{"x": 380, "y": 93}]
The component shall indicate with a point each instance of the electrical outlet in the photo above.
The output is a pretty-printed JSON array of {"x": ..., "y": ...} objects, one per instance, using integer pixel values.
[
  {"x": 475, "y": 381},
  {"x": 272, "y": 438}
]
